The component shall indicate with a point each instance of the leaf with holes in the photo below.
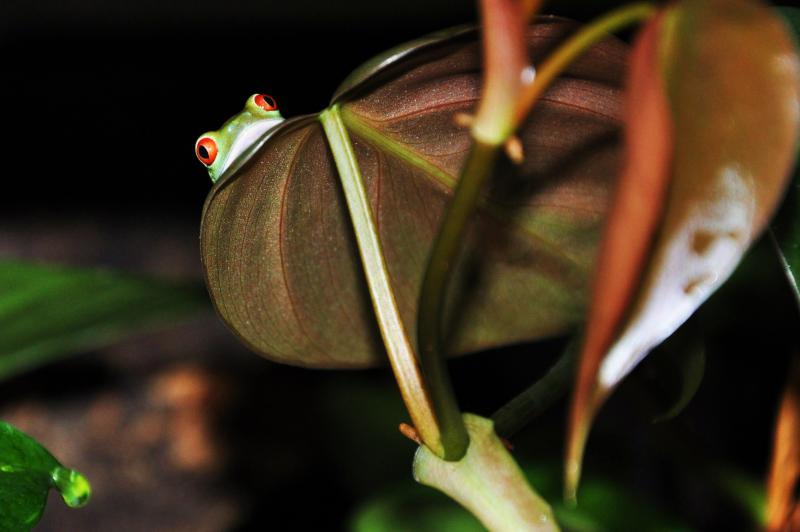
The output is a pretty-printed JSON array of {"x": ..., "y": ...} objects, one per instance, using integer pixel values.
[{"x": 279, "y": 254}]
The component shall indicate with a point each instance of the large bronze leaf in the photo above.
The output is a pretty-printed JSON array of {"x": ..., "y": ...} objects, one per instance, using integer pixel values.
[{"x": 279, "y": 253}]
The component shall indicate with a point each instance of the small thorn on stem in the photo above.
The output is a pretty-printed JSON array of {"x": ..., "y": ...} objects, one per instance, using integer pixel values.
[
  {"x": 464, "y": 119},
  {"x": 410, "y": 432},
  {"x": 513, "y": 147}
]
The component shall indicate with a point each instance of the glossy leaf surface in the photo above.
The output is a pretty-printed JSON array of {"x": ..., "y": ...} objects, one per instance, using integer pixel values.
[
  {"x": 48, "y": 311},
  {"x": 27, "y": 472},
  {"x": 280, "y": 258},
  {"x": 734, "y": 144}
]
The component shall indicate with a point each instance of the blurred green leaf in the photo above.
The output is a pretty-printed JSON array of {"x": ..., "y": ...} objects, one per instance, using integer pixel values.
[
  {"x": 747, "y": 492},
  {"x": 792, "y": 16},
  {"x": 604, "y": 506},
  {"x": 27, "y": 472},
  {"x": 47, "y": 312},
  {"x": 413, "y": 509}
]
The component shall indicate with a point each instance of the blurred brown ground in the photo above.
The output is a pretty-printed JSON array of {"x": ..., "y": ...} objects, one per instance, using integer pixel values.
[{"x": 180, "y": 429}]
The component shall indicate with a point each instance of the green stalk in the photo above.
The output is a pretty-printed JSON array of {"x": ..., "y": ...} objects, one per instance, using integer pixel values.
[
  {"x": 487, "y": 482},
  {"x": 479, "y": 164},
  {"x": 505, "y": 62},
  {"x": 540, "y": 396},
  {"x": 447, "y": 245},
  {"x": 401, "y": 353}
]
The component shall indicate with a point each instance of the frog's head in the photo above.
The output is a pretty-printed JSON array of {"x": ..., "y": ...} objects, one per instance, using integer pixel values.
[{"x": 218, "y": 149}]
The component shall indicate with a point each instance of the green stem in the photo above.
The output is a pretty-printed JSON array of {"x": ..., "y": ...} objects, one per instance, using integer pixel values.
[
  {"x": 540, "y": 396},
  {"x": 487, "y": 482},
  {"x": 434, "y": 286},
  {"x": 445, "y": 250},
  {"x": 576, "y": 45},
  {"x": 401, "y": 354}
]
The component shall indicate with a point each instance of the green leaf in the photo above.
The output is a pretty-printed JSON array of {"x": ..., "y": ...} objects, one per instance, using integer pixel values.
[
  {"x": 281, "y": 263},
  {"x": 47, "y": 312},
  {"x": 605, "y": 506},
  {"x": 27, "y": 472},
  {"x": 411, "y": 509},
  {"x": 792, "y": 16},
  {"x": 744, "y": 490}
]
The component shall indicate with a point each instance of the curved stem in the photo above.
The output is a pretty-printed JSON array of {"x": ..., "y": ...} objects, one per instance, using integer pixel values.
[
  {"x": 487, "y": 482},
  {"x": 409, "y": 378},
  {"x": 434, "y": 286},
  {"x": 447, "y": 245},
  {"x": 576, "y": 45},
  {"x": 540, "y": 396}
]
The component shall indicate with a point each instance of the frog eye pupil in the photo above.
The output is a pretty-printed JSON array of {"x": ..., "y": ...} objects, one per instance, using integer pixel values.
[
  {"x": 206, "y": 150},
  {"x": 266, "y": 102}
]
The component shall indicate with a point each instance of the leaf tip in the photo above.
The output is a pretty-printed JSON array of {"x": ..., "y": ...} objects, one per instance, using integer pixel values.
[
  {"x": 574, "y": 460},
  {"x": 585, "y": 404},
  {"x": 74, "y": 488}
]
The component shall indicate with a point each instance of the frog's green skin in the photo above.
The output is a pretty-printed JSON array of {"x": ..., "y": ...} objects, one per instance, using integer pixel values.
[{"x": 238, "y": 134}]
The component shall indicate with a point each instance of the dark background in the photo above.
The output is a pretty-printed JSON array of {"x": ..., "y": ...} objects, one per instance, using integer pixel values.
[{"x": 101, "y": 103}]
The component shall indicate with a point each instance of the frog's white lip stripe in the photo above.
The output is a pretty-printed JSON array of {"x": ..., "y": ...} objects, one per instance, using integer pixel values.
[{"x": 245, "y": 139}]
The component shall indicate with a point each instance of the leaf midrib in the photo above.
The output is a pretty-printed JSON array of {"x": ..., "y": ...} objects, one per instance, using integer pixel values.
[{"x": 444, "y": 178}]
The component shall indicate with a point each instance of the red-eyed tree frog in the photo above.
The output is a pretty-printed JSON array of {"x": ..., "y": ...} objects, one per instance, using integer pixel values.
[{"x": 217, "y": 150}]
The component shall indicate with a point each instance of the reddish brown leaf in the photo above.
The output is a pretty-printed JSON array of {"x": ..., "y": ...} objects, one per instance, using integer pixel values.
[
  {"x": 277, "y": 244},
  {"x": 732, "y": 74},
  {"x": 633, "y": 219}
]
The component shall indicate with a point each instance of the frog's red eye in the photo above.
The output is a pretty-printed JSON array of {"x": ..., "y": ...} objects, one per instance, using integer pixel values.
[
  {"x": 266, "y": 102},
  {"x": 206, "y": 150}
]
